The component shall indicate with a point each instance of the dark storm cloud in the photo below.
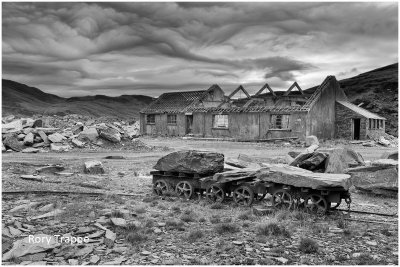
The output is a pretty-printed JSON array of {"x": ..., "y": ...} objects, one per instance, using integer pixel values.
[{"x": 144, "y": 47}]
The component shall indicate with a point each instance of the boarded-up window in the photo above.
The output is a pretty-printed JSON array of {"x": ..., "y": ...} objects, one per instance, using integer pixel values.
[
  {"x": 171, "y": 119},
  {"x": 280, "y": 121},
  {"x": 220, "y": 121},
  {"x": 151, "y": 119}
]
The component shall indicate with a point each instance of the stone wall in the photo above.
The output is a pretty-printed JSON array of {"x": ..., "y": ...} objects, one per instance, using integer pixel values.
[{"x": 344, "y": 123}]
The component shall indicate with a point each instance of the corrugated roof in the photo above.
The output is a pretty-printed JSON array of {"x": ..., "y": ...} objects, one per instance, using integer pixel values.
[
  {"x": 174, "y": 102},
  {"x": 363, "y": 112}
]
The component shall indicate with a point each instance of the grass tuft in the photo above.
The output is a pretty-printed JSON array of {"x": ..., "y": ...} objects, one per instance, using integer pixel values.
[
  {"x": 191, "y": 217},
  {"x": 174, "y": 224},
  {"x": 135, "y": 238},
  {"x": 245, "y": 216},
  {"x": 224, "y": 228},
  {"x": 308, "y": 245},
  {"x": 215, "y": 219},
  {"x": 117, "y": 214},
  {"x": 273, "y": 229},
  {"x": 149, "y": 199},
  {"x": 194, "y": 235},
  {"x": 217, "y": 206},
  {"x": 140, "y": 210}
]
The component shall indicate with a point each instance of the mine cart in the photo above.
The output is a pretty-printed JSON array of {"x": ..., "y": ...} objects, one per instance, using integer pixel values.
[
  {"x": 244, "y": 190},
  {"x": 288, "y": 187}
]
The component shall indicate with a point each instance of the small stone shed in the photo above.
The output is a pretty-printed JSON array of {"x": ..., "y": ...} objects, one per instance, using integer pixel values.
[
  {"x": 356, "y": 123},
  {"x": 325, "y": 113}
]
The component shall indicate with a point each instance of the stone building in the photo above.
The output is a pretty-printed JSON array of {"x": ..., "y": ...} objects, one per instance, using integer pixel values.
[{"x": 326, "y": 113}]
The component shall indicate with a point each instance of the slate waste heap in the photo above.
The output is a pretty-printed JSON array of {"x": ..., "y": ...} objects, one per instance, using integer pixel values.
[{"x": 29, "y": 135}]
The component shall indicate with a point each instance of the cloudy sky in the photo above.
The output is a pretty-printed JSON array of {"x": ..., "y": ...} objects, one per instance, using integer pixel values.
[{"x": 75, "y": 49}]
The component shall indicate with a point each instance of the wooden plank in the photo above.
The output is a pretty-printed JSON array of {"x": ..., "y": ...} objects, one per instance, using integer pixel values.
[
  {"x": 240, "y": 88},
  {"x": 295, "y": 84},
  {"x": 266, "y": 86}
]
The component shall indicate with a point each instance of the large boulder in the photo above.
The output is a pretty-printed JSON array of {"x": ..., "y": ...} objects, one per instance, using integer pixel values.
[
  {"x": 38, "y": 123},
  {"x": 43, "y": 136},
  {"x": 289, "y": 175},
  {"x": 191, "y": 161},
  {"x": 132, "y": 131},
  {"x": 383, "y": 141},
  {"x": 390, "y": 155},
  {"x": 380, "y": 179},
  {"x": 21, "y": 137},
  {"x": 59, "y": 147},
  {"x": 78, "y": 143},
  {"x": 110, "y": 134},
  {"x": 94, "y": 167},
  {"x": 311, "y": 140},
  {"x": 13, "y": 126},
  {"x": 89, "y": 134},
  {"x": 30, "y": 150},
  {"x": 12, "y": 142},
  {"x": 29, "y": 139},
  {"x": 77, "y": 129},
  {"x": 341, "y": 158},
  {"x": 315, "y": 162},
  {"x": 26, "y": 246},
  {"x": 56, "y": 138}
]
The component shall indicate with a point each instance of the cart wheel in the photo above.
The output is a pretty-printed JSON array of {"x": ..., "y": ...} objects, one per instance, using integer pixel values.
[
  {"x": 259, "y": 197},
  {"x": 334, "y": 205},
  {"x": 184, "y": 189},
  {"x": 160, "y": 187},
  {"x": 282, "y": 199},
  {"x": 316, "y": 204},
  {"x": 215, "y": 193},
  {"x": 243, "y": 195}
]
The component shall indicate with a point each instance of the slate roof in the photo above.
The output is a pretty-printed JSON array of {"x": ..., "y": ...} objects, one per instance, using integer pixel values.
[
  {"x": 255, "y": 108},
  {"x": 363, "y": 112},
  {"x": 174, "y": 102}
]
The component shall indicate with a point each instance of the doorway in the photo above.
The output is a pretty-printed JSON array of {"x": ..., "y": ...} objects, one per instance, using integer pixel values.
[
  {"x": 189, "y": 124},
  {"x": 356, "y": 129}
]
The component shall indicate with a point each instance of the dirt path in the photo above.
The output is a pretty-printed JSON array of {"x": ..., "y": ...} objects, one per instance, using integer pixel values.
[{"x": 169, "y": 230}]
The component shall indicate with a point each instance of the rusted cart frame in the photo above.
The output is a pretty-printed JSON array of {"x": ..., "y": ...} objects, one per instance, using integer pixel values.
[{"x": 244, "y": 190}]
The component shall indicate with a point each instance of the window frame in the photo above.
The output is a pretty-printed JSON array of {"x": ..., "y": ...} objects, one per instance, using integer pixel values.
[
  {"x": 173, "y": 122},
  {"x": 151, "y": 116},
  {"x": 220, "y": 128},
  {"x": 273, "y": 126}
]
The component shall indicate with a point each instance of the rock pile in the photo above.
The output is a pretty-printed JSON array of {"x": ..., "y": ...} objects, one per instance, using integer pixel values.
[
  {"x": 333, "y": 160},
  {"x": 33, "y": 135},
  {"x": 379, "y": 139}
]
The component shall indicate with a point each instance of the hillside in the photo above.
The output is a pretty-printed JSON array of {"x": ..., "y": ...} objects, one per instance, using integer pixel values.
[
  {"x": 20, "y": 99},
  {"x": 376, "y": 91}
]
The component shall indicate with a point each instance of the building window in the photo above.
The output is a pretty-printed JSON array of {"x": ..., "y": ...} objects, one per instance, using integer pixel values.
[
  {"x": 220, "y": 121},
  {"x": 151, "y": 119},
  {"x": 370, "y": 124},
  {"x": 280, "y": 121},
  {"x": 381, "y": 124},
  {"x": 171, "y": 119}
]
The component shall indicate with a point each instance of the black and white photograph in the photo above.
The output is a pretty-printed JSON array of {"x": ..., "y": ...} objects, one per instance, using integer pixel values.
[{"x": 199, "y": 133}]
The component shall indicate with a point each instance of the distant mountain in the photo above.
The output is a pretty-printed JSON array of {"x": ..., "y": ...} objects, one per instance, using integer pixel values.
[
  {"x": 376, "y": 91},
  {"x": 20, "y": 99}
]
